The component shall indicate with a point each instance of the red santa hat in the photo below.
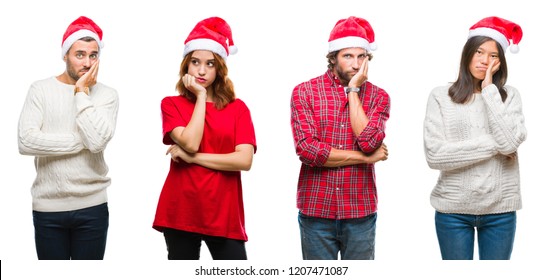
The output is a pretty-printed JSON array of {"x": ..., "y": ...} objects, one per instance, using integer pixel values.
[
  {"x": 350, "y": 33},
  {"x": 211, "y": 34},
  {"x": 505, "y": 32},
  {"x": 80, "y": 28}
]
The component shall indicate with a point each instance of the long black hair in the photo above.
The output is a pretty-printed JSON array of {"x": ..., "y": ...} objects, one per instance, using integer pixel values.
[{"x": 462, "y": 90}]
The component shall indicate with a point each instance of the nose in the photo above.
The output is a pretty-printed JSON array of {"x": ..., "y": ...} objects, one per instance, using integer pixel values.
[
  {"x": 87, "y": 61},
  {"x": 485, "y": 59},
  {"x": 201, "y": 70},
  {"x": 357, "y": 63}
]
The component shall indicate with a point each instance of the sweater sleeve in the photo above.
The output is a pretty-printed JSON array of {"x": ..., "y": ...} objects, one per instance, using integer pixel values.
[
  {"x": 32, "y": 140},
  {"x": 506, "y": 121},
  {"x": 445, "y": 154},
  {"x": 96, "y": 118}
]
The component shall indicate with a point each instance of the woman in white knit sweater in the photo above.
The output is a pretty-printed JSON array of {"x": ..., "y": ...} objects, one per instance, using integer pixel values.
[{"x": 472, "y": 131}]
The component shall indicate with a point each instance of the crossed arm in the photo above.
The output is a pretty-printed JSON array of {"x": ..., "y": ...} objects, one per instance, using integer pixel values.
[{"x": 188, "y": 139}]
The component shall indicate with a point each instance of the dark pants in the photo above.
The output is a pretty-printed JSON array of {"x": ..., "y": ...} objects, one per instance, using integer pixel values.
[
  {"x": 77, "y": 235},
  {"x": 183, "y": 245}
]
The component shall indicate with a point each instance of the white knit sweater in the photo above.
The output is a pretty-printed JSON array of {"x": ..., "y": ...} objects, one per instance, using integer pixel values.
[
  {"x": 468, "y": 143},
  {"x": 67, "y": 134}
]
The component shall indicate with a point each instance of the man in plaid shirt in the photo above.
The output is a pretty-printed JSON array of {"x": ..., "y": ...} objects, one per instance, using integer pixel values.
[{"x": 338, "y": 121}]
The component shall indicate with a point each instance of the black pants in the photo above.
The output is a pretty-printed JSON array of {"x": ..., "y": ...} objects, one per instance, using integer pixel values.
[{"x": 183, "y": 245}]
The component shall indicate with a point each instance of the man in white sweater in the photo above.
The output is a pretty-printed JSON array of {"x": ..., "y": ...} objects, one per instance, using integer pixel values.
[{"x": 66, "y": 123}]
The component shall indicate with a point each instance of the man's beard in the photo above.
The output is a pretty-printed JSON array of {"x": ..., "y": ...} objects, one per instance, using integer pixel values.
[
  {"x": 71, "y": 71},
  {"x": 343, "y": 76}
]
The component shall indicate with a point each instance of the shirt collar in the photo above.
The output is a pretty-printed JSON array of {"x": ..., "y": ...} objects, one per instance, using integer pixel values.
[{"x": 334, "y": 79}]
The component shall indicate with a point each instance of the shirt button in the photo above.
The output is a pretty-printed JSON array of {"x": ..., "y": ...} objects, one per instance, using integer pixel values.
[
  {"x": 340, "y": 146},
  {"x": 337, "y": 189}
]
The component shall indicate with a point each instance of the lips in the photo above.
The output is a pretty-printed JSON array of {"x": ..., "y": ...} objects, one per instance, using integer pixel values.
[{"x": 201, "y": 80}]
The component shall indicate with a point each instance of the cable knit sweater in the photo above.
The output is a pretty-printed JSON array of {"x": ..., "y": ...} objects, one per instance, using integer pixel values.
[
  {"x": 67, "y": 134},
  {"x": 468, "y": 143}
]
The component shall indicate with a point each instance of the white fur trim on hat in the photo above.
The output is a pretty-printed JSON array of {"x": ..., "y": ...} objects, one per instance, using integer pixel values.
[
  {"x": 491, "y": 33},
  {"x": 205, "y": 44},
  {"x": 350, "y": 42},
  {"x": 78, "y": 35},
  {"x": 233, "y": 49},
  {"x": 514, "y": 48}
]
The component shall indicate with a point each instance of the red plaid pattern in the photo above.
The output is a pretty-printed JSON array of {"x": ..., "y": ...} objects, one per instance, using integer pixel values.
[{"x": 320, "y": 120}]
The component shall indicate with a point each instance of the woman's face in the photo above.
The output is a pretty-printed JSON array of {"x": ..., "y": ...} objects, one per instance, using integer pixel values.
[
  {"x": 202, "y": 67},
  {"x": 479, "y": 63}
]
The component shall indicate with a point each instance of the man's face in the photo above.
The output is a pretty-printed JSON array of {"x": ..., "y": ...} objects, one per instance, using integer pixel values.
[
  {"x": 80, "y": 57},
  {"x": 348, "y": 63}
]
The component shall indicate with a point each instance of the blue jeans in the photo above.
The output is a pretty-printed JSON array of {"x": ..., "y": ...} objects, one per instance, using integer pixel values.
[
  {"x": 77, "y": 235},
  {"x": 324, "y": 239},
  {"x": 455, "y": 234}
]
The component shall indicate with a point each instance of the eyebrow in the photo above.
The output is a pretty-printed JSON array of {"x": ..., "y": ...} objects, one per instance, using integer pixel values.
[
  {"x": 351, "y": 54},
  {"x": 482, "y": 49},
  {"x": 82, "y": 51},
  {"x": 199, "y": 59}
]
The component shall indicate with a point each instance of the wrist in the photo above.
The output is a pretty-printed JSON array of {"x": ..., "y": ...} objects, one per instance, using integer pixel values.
[
  {"x": 201, "y": 94},
  {"x": 351, "y": 89},
  {"x": 77, "y": 89}
]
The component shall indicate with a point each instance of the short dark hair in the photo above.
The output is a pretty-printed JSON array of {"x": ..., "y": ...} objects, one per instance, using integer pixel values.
[{"x": 86, "y": 39}]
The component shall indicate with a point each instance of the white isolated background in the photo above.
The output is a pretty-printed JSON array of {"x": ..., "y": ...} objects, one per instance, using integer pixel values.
[{"x": 281, "y": 44}]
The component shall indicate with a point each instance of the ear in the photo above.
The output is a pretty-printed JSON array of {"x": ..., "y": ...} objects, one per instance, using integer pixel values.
[{"x": 65, "y": 58}]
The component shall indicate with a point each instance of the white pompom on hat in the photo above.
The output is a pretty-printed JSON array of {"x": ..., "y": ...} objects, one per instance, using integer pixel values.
[
  {"x": 80, "y": 28},
  {"x": 503, "y": 31},
  {"x": 352, "y": 32},
  {"x": 211, "y": 34}
]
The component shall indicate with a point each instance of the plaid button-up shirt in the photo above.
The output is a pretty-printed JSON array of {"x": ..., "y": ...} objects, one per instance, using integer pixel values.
[{"x": 320, "y": 120}]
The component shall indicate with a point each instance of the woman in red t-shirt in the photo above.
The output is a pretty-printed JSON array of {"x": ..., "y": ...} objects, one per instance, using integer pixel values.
[{"x": 211, "y": 138}]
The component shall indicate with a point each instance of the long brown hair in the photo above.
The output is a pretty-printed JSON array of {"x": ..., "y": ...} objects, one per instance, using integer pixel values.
[
  {"x": 222, "y": 86},
  {"x": 462, "y": 90}
]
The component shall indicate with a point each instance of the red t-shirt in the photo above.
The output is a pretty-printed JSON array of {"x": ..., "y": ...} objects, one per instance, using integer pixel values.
[{"x": 195, "y": 198}]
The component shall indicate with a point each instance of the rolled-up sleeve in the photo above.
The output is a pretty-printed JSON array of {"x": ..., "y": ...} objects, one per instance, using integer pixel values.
[
  {"x": 374, "y": 133},
  {"x": 309, "y": 148}
]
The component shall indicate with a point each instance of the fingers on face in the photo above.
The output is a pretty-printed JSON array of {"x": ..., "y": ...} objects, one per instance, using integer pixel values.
[
  {"x": 188, "y": 80},
  {"x": 497, "y": 65},
  {"x": 494, "y": 66},
  {"x": 94, "y": 72}
]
